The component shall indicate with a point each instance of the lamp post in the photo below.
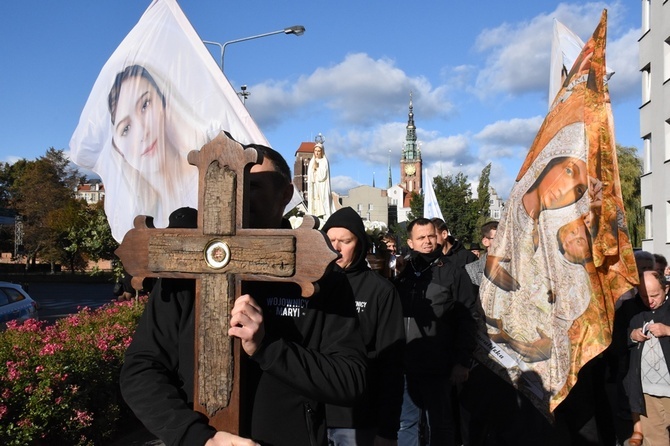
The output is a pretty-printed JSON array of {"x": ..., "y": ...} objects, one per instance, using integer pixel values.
[
  {"x": 298, "y": 30},
  {"x": 244, "y": 94}
]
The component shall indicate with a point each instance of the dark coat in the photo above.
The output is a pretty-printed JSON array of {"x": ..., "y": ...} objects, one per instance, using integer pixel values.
[
  {"x": 440, "y": 313},
  {"x": 380, "y": 315},
  {"x": 633, "y": 382},
  {"x": 311, "y": 354}
]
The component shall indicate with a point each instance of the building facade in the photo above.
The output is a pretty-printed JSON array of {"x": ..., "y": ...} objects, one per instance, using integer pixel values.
[
  {"x": 654, "y": 64},
  {"x": 496, "y": 204},
  {"x": 371, "y": 203},
  {"x": 92, "y": 192}
]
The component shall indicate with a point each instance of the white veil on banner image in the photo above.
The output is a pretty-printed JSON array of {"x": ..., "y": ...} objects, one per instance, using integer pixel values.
[
  {"x": 158, "y": 97},
  {"x": 561, "y": 256}
]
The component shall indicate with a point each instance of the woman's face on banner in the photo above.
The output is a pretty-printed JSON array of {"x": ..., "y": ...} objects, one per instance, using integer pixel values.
[
  {"x": 140, "y": 120},
  {"x": 563, "y": 184}
]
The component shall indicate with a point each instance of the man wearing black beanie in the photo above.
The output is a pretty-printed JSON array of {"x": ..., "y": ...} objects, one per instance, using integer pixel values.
[{"x": 375, "y": 418}]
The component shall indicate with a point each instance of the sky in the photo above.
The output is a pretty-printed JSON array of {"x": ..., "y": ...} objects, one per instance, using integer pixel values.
[{"x": 478, "y": 72}]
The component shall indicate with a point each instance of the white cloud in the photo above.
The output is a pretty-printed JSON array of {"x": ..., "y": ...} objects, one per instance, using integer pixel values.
[
  {"x": 359, "y": 91},
  {"x": 342, "y": 184},
  {"x": 517, "y": 55},
  {"x": 508, "y": 139}
]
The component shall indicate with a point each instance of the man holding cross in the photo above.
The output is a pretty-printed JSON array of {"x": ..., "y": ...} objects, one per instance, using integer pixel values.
[{"x": 304, "y": 352}]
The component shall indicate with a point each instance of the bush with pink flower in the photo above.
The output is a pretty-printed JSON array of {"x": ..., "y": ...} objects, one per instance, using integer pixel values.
[{"x": 59, "y": 383}]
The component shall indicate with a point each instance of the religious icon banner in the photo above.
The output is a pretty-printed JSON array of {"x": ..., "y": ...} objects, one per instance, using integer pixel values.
[
  {"x": 561, "y": 256},
  {"x": 158, "y": 97}
]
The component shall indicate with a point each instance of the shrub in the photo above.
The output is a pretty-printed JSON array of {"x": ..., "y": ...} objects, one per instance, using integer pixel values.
[{"x": 59, "y": 383}]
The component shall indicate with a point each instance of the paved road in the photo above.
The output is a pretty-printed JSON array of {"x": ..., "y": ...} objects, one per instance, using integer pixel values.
[{"x": 58, "y": 300}]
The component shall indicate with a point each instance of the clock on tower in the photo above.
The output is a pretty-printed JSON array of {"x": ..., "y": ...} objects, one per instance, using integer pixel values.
[{"x": 410, "y": 169}]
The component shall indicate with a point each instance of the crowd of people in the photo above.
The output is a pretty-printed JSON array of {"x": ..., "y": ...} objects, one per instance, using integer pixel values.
[{"x": 374, "y": 361}]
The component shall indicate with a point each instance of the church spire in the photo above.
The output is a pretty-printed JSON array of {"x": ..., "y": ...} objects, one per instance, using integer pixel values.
[
  {"x": 410, "y": 162},
  {"x": 410, "y": 149},
  {"x": 390, "y": 185}
]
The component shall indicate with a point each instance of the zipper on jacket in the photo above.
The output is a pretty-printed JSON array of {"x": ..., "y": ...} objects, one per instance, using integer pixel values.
[{"x": 310, "y": 414}]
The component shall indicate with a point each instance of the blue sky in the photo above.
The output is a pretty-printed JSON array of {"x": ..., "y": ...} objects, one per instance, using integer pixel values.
[{"x": 479, "y": 73}]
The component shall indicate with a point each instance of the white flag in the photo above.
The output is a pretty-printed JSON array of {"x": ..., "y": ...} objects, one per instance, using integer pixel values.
[
  {"x": 431, "y": 208},
  {"x": 565, "y": 47},
  {"x": 158, "y": 97}
]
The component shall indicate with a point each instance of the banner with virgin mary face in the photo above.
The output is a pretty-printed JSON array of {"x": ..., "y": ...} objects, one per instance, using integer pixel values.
[
  {"x": 561, "y": 256},
  {"x": 158, "y": 97}
]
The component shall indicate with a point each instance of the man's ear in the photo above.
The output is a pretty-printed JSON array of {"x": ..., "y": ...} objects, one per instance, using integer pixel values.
[
  {"x": 410, "y": 244},
  {"x": 486, "y": 242}
]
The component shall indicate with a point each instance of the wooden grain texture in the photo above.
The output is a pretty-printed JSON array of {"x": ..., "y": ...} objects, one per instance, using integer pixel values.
[{"x": 301, "y": 256}]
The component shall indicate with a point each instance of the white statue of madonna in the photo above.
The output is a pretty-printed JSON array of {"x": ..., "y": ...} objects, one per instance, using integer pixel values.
[{"x": 319, "y": 197}]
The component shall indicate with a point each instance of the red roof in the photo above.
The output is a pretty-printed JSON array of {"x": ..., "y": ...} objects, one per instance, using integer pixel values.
[{"x": 306, "y": 147}]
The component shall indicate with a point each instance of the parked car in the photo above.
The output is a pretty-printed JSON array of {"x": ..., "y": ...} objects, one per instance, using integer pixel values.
[{"x": 16, "y": 304}]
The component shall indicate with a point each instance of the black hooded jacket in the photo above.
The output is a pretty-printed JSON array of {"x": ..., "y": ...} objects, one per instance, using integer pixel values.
[
  {"x": 380, "y": 316},
  {"x": 311, "y": 354}
]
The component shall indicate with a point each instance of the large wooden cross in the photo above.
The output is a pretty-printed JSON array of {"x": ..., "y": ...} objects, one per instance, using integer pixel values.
[{"x": 220, "y": 253}]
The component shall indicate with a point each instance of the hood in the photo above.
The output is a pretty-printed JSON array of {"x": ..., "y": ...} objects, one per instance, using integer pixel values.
[{"x": 349, "y": 219}]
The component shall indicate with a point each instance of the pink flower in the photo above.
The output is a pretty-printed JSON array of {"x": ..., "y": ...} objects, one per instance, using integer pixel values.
[
  {"x": 6, "y": 393},
  {"x": 3, "y": 411},
  {"x": 83, "y": 417},
  {"x": 13, "y": 372},
  {"x": 50, "y": 349},
  {"x": 39, "y": 368}
]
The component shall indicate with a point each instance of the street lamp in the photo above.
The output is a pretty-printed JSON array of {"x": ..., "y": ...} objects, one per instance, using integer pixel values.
[
  {"x": 244, "y": 94},
  {"x": 298, "y": 30}
]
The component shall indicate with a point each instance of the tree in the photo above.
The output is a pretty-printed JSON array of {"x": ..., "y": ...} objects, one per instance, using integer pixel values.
[
  {"x": 39, "y": 188},
  {"x": 483, "y": 202},
  {"x": 455, "y": 199},
  {"x": 630, "y": 170},
  {"x": 415, "y": 206}
]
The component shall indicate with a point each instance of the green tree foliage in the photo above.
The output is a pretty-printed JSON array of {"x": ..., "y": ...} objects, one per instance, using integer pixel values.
[
  {"x": 630, "y": 170},
  {"x": 459, "y": 210},
  {"x": 36, "y": 193},
  {"x": 98, "y": 241},
  {"x": 483, "y": 202},
  {"x": 415, "y": 206},
  {"x": 57, "y": 227}
]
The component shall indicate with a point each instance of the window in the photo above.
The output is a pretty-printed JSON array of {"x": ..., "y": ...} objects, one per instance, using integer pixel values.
[
  {"x": 4, "y": 299},
  {"x": 14, "y": 295},
  {"x": 370, "y": 207},
  {"x": 646, "y": 154},
  {"x": 666, "y": 60},
  {"x": 646, "y": 15},
  {"x": 646, "y": 84},
  {"x": 666, "y": 128},
  {"x": 648, "y": 223}
]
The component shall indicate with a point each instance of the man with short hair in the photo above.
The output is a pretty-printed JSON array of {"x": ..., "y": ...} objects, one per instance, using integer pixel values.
[
  {"x": 374, "y": 420},
  {"x": 451, "y": 247},
  {"x": 298, "y": 360},
  {"x": 476, "y": 269},
  {"x": 439, "y": 307}
]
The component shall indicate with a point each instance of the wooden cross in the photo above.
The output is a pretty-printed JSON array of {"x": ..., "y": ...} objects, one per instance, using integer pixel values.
[{"x": 220, "y": 253}]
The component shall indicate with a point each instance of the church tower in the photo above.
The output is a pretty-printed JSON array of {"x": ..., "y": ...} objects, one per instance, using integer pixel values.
[{"x": 410, "y": 162}]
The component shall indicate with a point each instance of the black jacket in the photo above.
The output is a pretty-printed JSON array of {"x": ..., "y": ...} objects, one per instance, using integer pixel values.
[
  {"x": 440, "y": 314},
  {"x": 311, "y": 354},
  {"x": 458, "y": 254},
  {"x": 633, "y": 380},
  {"x": 380, "y": 316}
]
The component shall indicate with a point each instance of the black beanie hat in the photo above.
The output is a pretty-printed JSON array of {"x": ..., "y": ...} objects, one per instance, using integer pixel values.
[{"x": 349, "y": 219}]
